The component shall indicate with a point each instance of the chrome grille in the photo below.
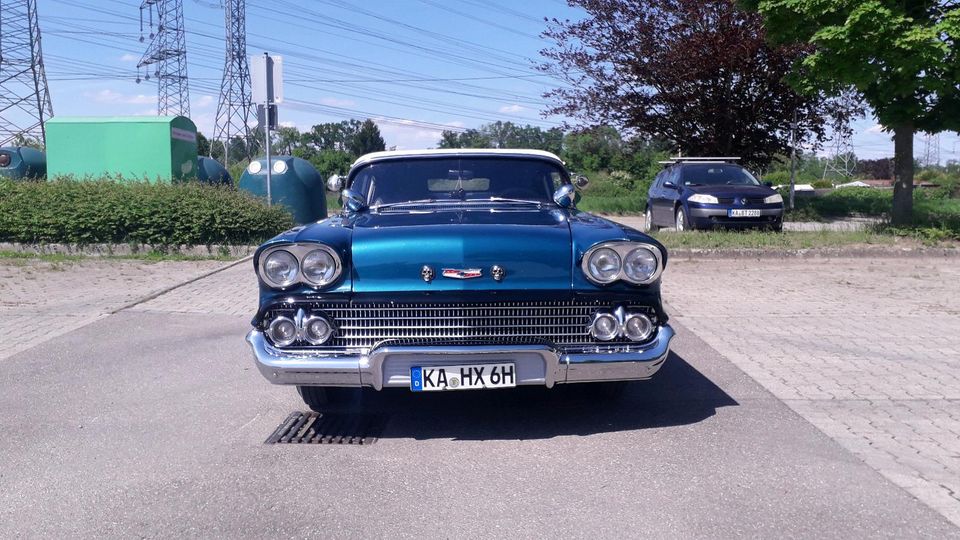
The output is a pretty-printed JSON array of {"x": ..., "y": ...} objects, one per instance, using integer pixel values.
[{"x": 364, "y": 326}]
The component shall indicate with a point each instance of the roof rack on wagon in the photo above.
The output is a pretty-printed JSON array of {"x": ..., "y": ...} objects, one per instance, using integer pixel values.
[{"x": 685, "y": 159}]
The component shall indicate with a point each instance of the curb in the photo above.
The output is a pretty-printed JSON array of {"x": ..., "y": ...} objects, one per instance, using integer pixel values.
[
  {"x": 106, "y": 250},
  {"x": 165, "y": 290},
  {"x": 813, "y": 253}
]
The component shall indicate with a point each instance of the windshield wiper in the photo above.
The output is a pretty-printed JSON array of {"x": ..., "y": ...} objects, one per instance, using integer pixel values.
[
  {"x": 403, "y": 203},
  {"x": 506, "y": 200}
]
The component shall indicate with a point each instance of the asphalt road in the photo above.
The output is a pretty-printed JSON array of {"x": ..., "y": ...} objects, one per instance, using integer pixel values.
[{"x": 153, "y": 425}]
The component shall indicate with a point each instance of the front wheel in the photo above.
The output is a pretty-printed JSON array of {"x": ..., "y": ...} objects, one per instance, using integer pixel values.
[
  {"x": 648, "y": 225},
  {"x": 682, "y": 223},
  {"x": 325, "y": 398}
]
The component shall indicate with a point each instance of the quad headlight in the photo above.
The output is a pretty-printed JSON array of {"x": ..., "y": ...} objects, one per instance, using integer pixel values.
[
  {"x": 633, "y": 262},
  {"x": 316, "y": 265}
]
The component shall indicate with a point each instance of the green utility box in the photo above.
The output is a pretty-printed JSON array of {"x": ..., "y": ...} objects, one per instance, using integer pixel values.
[
  {"x": 155, "y": 148},
  {"x": 295, "y": 184}
]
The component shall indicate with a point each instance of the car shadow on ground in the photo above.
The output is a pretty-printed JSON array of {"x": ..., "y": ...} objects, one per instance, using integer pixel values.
[{"x": 678, "y": 395}]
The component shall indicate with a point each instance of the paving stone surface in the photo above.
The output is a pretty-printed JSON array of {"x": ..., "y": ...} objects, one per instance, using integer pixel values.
[
  {"x": 230, "y": 292},
  {"x": 40, "y": 300},
  {"x": 867, "y": 350}
]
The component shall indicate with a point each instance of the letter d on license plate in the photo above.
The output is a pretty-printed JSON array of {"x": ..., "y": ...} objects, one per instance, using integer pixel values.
[{"x": 466, "y": 377}]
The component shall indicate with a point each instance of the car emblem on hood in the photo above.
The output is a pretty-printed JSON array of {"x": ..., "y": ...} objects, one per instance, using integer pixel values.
[{"x": 457, "y": 273}]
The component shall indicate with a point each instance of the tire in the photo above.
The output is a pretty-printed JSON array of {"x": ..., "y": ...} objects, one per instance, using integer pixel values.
[
  {"x": 681, "y": 222},
  {"x": 323, "y": 399},
  {"x": 778, "y": 228},
  {"x": 648, "y": 225}
]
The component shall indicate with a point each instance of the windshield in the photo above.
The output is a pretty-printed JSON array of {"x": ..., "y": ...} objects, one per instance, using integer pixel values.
[
  {"x": 461, "y": 179},
  {"x": 711, "y": 174}
]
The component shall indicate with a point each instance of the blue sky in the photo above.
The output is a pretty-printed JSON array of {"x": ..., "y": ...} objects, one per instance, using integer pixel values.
[{"x": 388, "y": 60}]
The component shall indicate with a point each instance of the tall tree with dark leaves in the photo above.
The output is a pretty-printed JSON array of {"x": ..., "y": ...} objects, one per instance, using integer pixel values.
[
  {"x": 367, "y": 139},
  {"x": 901, "y": 55},
  {"x": 697, "y": 73}
]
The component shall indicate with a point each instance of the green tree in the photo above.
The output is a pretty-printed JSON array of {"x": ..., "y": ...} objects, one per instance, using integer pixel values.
[
  {"x": 899, "y": 54},
  {"x": 367, "y": 139}
]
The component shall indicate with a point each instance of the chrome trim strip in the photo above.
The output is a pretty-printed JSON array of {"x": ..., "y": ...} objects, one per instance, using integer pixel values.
[{"x": 324, "y": 368}]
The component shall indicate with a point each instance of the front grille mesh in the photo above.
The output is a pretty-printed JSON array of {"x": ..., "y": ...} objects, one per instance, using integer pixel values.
[{"x": 364, "y": 326}]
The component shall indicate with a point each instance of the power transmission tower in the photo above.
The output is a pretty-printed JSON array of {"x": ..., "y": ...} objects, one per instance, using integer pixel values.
[
  {"x": 234, "y": 109},
  {"x": 842, "y": 161},
  {"x": 931, "y": 150},
  {"x": 166, "y": 56},
  {"x": 24, "y": 96}
]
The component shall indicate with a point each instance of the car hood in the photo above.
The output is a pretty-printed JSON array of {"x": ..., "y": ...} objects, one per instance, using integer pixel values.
[
  {"x": 389, "y": 250},
  {"x": 724, "y": 190}
]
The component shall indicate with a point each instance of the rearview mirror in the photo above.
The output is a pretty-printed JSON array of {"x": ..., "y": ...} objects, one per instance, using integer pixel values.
[
  {"x": 565, "y": 195},
  {"x": 335, "y": 183},
  {"x": 353, "y": 201},
  {"x": 581, "y": 181}
]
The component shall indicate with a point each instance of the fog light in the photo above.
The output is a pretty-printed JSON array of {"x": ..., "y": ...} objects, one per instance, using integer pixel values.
[
  {"x": 316, "y": 330},
  {"x": 637, "y": 327},
  {"x": 282, "y": 331},
  {"x": 604, "y": 327}
]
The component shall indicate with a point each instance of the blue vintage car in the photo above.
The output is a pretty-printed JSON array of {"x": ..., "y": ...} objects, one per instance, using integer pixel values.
[{"x": 455, "y": 270}]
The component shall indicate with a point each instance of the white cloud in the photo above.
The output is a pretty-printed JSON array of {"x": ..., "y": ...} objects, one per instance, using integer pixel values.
[
  {"x": 336, "y": 102},
  {"x": 288, "y": 124},
  {"x": 203, "y": 102},
  {"x": 511, "y": 108},
  {"x": 128, "y": 58},
  {"x": 876, "y": 128},
  {"x": 110, "y": 96}
]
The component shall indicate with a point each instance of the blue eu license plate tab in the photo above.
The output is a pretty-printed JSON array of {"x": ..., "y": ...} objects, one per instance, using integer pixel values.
[{"x": 463, "y": 377}]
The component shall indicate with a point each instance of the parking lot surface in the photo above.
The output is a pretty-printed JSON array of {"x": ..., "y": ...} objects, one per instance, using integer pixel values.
[{"x": 151, "y": 422}]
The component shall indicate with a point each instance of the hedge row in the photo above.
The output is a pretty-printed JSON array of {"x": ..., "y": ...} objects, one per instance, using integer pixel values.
[{"x": 105, "y": 211}]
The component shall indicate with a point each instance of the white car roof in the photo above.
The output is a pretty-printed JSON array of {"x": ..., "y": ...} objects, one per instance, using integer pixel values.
[{"x": 396, "y": 154}]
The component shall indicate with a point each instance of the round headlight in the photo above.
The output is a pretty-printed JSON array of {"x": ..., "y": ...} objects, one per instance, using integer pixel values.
[
  {"x": 279, "y": 167},
  {"x": 282, "y": 331},
  {"x": 640, "y": 265},
  {"x": 317, "y": 330},
  {"x": 320, "y": 267},
  {"x": 605, "y": 326},
  {"x": 637, "y": 327},
  {"x": 254, "y": 167},
  {"x": 280, "y": 268},
  {"x": 603, "y": 265}
]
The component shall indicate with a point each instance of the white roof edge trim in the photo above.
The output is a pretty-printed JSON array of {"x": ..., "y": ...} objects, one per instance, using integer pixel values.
[{"x": 393, "y": 154}]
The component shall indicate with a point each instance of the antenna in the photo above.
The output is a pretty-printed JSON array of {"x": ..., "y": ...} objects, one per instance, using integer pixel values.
[
  {"x": 24, "y": 96},
  {"x": 234, "y": 109}
]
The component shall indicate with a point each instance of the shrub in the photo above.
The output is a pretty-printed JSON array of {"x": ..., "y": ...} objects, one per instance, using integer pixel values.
[{"x": 104, "y": 211}]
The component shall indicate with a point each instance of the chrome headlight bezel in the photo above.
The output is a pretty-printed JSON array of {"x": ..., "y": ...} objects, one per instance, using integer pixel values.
[
  {"x": 266, "y": 276},
  {"x": 300, "y": 251},
  {"x": 622, "y": 248}
]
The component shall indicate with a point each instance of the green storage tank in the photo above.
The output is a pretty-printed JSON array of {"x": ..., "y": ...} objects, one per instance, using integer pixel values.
[
  {"x": 211, "y": 171},
  {"x": 295, "y": 184},
  {"x": 155, "y": 148},
  {"x": 22, "y": 163}
]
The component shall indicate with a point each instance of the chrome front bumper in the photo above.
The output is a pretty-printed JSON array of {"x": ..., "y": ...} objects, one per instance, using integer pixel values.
[{"x": 390, "y": 366}]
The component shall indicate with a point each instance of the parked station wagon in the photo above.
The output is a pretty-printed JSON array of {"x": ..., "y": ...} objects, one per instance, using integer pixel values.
[
  {"x": 708, "y": 193},
  {"x": 457, "y": 270}
]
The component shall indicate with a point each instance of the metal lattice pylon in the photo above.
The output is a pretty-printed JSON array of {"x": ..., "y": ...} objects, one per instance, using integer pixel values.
[
  {"x": 166, "y": 57},
  {"x": 842, "y": 161},
  {"x": 235, "y": 107},
  {"x": 24, "y": 96},
  {"x": 931, "y": 150}
]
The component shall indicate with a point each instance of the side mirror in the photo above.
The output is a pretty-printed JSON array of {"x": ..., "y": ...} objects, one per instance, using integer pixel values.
[
  {"x": 335, "y": 183},
  {"x": 565, "y": 195},
  {"x": 581, "y": 181},
  {"x": 353, "y": 201},
  {"x": 768, "y": 184},
  {"x": 669, "y": 184}
]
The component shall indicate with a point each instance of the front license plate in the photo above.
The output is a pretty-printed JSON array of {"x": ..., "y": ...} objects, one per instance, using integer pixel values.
[
  {"x": 468, "y": 377},
  {"x": 742, "y": 212}
]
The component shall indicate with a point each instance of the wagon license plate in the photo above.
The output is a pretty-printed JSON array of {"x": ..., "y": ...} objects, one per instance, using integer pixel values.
[
  {"x": 466, "y": 377},
  {"x": 742, "y": 212}
]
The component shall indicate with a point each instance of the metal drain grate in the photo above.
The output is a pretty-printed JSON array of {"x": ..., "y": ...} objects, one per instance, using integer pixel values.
[{"x": 327, "y": 428}]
